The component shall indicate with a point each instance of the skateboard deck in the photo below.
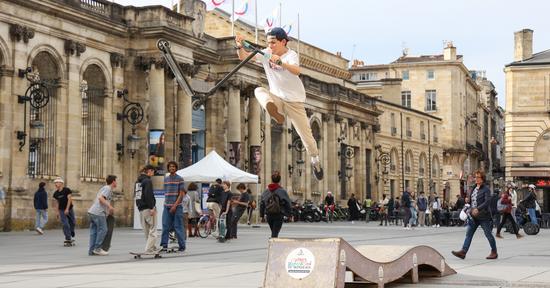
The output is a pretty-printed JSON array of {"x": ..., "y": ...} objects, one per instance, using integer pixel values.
[
  {"x": 138, "y": 255},
  {"x": 222, "y": 223}
]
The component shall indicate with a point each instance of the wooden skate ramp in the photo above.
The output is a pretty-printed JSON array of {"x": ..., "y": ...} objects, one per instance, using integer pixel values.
[{"x": 320, "y": 263}]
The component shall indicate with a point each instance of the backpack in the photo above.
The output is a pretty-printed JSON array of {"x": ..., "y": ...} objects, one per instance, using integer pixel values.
[
  {"x": 273, "y": 205},
  {"x": 501, "y": 207}
]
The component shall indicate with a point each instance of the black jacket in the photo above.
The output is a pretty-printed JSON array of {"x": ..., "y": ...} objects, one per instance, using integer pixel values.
[
  {"x": 147, "y": 200},
  {"x": 283, "y": 196},
  {"x": 41, "y": 199},
  {"x": 216, "y": 194},
  {"x": 483, "y": 200},
  {"x": 530, "y": 200}
]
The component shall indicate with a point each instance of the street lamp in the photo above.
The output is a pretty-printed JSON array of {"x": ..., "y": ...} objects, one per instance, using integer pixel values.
[
  {"x": 133, "y": 113},
  {"x": 383, "y": 159},
  {"x": 38, "y": 96}
]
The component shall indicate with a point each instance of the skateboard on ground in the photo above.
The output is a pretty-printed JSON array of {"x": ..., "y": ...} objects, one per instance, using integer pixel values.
[
  {"x": 138, "y": 255},
  {"x": 69, "y": 243}
]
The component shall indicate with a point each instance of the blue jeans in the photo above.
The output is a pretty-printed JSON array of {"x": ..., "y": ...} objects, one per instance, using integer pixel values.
[
  {"x": 98, "y": 230},
  {"x": 41, "y": 218},
  {"x": 533, "y": 215},
  {"x": 68, "y": 222},
  {"x": 172, "y": 222},
  {"x": 487, "y": 226}
]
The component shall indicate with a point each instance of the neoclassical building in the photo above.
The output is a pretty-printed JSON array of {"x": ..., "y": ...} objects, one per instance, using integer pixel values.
[
  {"x": 527, "y": 117},
  {"x": 84, "y": 93},
  {"x": 441, "y": 86},
  {"x": 411, "y": 140}
]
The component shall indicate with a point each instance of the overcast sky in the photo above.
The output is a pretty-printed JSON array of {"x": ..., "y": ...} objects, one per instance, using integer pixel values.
[{"x": 482, "y": 30}]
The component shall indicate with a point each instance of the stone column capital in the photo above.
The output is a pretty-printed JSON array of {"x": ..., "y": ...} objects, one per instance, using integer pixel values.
[
  {"x": 72, "y": 47},
  {"x": 326, "y": 117},
  {"x": 117, "y": 60}
]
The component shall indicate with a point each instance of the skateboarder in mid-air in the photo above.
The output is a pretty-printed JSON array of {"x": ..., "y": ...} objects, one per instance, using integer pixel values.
[{"x": 286, "y": 95}]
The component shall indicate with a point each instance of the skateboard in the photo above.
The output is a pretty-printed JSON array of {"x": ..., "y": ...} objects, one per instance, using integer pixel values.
[
  {"x": 222, "y": 227},
  {"x": 69, "y": 243},
  {"x": 140, "y": 254},
  {"x": 110, "y": 226}
]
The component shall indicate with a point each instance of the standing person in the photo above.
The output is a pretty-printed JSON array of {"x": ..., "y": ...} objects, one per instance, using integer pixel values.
[
  {"x": 146, "y": 204},
  {"x": 436, "y": 211},
  {"x": 531, "y": 205},
  {"x": 352, "y": 208},
  {"x": 367, "y": 206},
  {"x": 64, "y": 208},
  {"x": 506, "y": 214},
  {"x": 274, "y": 205},
  {"x": 226, "y": 207},
  {"x": 414, "y": 217},
  {"x": 514, "y": 198},
  {"x": 239, "y": 206},
  {"x": 172, "y": 215},
  {"x": 41, "y": 207},
  {"x": 459, "y": 203},
  {"x": 214, "y": 200},
  {"x": 186, "y": 207},
  {"x": 194, "y": 209},
  {"x": 286, "y": 93},
  {"x": 384, "y": 208},
  {"x": 422, "y": 204},
  {"x": 406, "y": 201},
  {"x": 479, "y": 199},
  {"x": 98, "y": 216}
]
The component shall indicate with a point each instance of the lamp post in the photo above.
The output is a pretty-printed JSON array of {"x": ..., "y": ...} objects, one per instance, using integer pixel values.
[
  {"x": 383, "y": 159},
  {"x": 38, "y": 96},
  {"x": 133, "y": 113}
]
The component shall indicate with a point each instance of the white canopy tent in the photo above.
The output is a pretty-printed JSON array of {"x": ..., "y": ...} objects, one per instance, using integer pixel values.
[
  {"x": 207, "y": 170},
  {"x": 212, "y": 167}
]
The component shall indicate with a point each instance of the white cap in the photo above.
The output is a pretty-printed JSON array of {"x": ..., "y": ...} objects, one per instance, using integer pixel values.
[
  {"x": 58, "y": 180},
  {"x": 329, "y": 192},
  {"x": 532, "y": 186}
]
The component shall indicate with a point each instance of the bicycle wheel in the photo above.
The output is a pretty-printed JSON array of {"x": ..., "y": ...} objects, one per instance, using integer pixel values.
[{"x": 204, "y": 229}]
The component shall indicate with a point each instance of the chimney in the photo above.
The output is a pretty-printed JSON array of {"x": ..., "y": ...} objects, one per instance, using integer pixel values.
[
  {"x": 449, "y": 52},
  {"x": 523, "y": 45}
]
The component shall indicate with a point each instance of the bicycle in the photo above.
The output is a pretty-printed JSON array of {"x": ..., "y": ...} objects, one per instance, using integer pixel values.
[{"x": 207, "y": 224}]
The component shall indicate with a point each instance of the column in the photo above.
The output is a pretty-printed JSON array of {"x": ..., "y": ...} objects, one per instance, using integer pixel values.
[
  {"x": 156, "y": 123},
  {"x": 185, "y": 118},
  {"x": 234, "y": 124}
]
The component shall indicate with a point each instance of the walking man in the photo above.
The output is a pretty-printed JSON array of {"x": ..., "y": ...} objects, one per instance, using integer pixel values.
[
  {"x": 274, "y": 205},
  {"x": 422, "y": 204},
  {"x": 172, "y": 215},
  {"x": 64, "y": 208},
  {"x": 479, "y": 198},
  {"x": 98, "y": 217},
  {"x": 41, "y": 207},
  {"x": 145, "y": 202},
  {"x": 286, "y": 95}
]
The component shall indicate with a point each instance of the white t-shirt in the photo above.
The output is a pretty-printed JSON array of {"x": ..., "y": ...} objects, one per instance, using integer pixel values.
[{"x": 282, "y": 82}]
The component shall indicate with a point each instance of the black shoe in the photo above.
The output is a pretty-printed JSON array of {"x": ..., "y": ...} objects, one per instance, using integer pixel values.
[{"x": 317, "y": 171}]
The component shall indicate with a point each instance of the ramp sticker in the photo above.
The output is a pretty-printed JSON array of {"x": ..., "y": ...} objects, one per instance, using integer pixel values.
[{"x": 300, "y": 263}]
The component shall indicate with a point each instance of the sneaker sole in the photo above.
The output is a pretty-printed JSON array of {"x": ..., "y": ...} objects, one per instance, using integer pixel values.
[{"x": 273, "y": 112}]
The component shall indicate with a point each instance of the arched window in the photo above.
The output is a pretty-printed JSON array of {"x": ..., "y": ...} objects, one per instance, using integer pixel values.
[
  {"x": 542, "y": 149},
  {"x": 42, "y": 153},
  {"x": 435, "y": 167},
  {"x": 92, "y": 134}
]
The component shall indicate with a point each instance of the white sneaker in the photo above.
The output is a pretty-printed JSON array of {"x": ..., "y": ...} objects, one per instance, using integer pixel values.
[
  {"x": 39, "y": 230},
  {"x": 437, "y": 226},
  {"x": 100, "y": 252}
]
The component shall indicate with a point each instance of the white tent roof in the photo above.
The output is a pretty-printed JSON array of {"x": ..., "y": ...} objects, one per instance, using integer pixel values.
[{"x": 212, "y": 167}]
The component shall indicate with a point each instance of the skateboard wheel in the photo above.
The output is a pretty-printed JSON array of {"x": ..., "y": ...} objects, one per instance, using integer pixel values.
[{"x": 136, "y": 257}]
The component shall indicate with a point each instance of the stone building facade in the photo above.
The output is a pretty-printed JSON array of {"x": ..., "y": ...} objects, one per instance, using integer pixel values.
[
  {"x": 410, "y": 138},
  {"x": 441, "y": 86},
  {"x": 95, "y": 60},
  {"x": 527, "y": 117}
]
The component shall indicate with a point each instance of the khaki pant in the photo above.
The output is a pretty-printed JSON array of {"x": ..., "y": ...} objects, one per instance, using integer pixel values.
[
  {"x": 149, "y": 224},
  {"x": 421, "y": 218},
  {"x": 296, "y": 112}
]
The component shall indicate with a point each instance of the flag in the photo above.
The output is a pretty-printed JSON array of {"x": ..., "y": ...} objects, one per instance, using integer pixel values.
[
  {"x": 213, "y": 4},
  {"x": 271, "y": 20},
  {"x": 242, "y": 10}
]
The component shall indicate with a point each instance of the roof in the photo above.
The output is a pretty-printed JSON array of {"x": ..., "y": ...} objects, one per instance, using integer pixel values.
[
  {"x": 422, "y": 58},
  {"x": 540, "y": 58}
]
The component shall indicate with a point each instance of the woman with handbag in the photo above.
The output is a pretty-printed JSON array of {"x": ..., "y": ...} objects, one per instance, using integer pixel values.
[{"x": 504, "y": 206}]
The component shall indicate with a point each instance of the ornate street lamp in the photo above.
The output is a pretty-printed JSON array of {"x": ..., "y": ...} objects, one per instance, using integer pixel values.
[{"x": 133, "y": 113}]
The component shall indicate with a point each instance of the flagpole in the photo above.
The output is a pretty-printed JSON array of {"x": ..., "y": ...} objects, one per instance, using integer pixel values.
[
  {"x": 298, "y": 36},
  {"x": 280, "y": 14},
  {"x": 233, "y": 17},
  {"x": 256, "y": 16}
]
